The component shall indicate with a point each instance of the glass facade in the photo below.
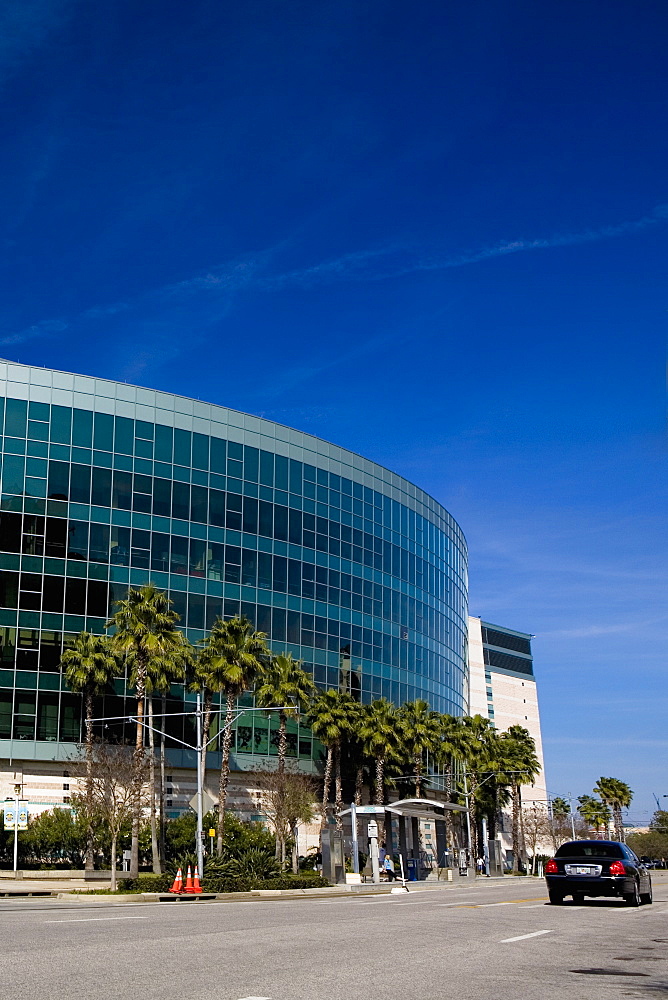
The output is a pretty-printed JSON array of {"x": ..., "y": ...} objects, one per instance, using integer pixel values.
[{"x": 343, "y": 563}]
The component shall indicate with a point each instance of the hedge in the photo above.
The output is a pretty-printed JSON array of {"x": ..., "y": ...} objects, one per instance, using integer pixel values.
[{"x": 217, "y": 883}]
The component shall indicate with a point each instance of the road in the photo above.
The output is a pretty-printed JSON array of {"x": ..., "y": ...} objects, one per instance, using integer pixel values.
[{"x": 486, "y": 941}]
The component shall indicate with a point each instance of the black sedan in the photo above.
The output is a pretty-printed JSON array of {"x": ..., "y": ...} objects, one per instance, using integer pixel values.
[{"x": 597, "y": 868}]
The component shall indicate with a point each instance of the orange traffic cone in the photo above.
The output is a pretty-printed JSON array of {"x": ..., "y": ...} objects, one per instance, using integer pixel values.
[
  {"x": 196, "y": 886},
  {"x": 189, "y": 882},
  {"x": 178, "y": 882}
]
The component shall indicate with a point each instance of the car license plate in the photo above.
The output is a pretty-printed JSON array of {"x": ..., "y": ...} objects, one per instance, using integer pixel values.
[{"x": 582, "y": 870}]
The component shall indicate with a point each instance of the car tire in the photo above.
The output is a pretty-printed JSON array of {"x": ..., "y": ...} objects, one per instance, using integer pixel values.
[
  {"x": 556, "y": 899},
  {"x": 632, "y": 898},
  {"x": 646, "y": 897},
  {"x": 578, "y": 898}
]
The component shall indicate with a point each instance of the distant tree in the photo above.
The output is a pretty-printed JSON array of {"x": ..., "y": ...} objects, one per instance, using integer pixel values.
[
  {"x": 616, "y": 795},
  {"x": 114, "y": 790},
  {"x": 594, "y": 812},
  {"x": 287, "y": 798},
  {"x": 560, "y": 821},
  {"x": 89, "y": 667},
  {"x": 537, "y": 827}
]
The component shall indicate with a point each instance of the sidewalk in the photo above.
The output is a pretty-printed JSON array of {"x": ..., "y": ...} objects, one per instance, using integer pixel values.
[{"x": 75, "y": 890}]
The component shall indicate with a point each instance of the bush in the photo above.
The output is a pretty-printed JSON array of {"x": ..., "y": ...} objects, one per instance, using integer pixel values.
[
  {"x": 146, "y": 883},
  {"x": 221, "y": 882},
  {"x": 304, "y": 881}
]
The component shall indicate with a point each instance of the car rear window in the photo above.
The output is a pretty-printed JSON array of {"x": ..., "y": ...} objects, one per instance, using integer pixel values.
[{"x": 589, "y": 849}]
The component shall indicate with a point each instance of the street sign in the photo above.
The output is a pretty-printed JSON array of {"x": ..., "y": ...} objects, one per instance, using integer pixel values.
[{"x": 207, "y": 803}]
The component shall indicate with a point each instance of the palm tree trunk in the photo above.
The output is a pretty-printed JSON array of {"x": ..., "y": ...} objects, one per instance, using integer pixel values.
[
  {"x": 225, "y": 770},
  {"x": 89, "y": 779},
  {"x": 161, "y": 827},
  {"x": 359, "y": 784},
  {"x": 326, "y": 782},
  {"x": 449, "y": 824},
  {"x": 380, "y": 781},
  {"x": 516, "y": 828},
  {"x": 295, "y": 857},
  {"x": 338, "y": 788},
  {"x": 155, "y": 853},
  {"x": 282, "y": 741},
  {"x": 473, "y": 816},
  {"x": 417, "y": 762},
  {"x": 206, "y": 729},
  {"x": 140, "y": 690}
]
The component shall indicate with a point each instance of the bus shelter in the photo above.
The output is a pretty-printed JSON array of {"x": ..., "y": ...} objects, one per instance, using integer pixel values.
[{"x": 409, "y": 813}]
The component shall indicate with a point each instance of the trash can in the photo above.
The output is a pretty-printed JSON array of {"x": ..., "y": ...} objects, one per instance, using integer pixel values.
[{"x": 412, "y": 866}]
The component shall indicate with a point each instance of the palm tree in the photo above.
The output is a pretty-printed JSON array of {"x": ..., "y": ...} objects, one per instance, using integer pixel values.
[
  {"x": 618, "y": 796},
  {"x": 481, "y": 761},
  {"x": 162, "y": 671},
  {"x": 284, "y": 685},
  {"x": 593, "y": 812},
  {"x": 561, "y": 810},
  {"x": 518, "y": 749},
  {"x": 454, "y": 745},
  {"x": 89, "y": 666},
  {"x": 332, "y": 716},
  {"x": 420, "y": 732},
  {"x": 233, "y": 657},
  {"x": 144, "y": 630},
  {"x": 379, "y": 732}
]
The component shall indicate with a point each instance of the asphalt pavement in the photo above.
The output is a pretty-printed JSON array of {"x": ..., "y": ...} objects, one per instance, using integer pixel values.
[{"x": 484, "y": 941}]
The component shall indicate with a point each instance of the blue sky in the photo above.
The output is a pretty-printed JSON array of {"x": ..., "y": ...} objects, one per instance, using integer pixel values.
[{"x": 433, "y": 233}]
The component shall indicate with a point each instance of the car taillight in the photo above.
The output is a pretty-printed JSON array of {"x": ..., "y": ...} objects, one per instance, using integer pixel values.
[
  {"x": 551, "y": 868},
  {"x": 617, "y": 868}
]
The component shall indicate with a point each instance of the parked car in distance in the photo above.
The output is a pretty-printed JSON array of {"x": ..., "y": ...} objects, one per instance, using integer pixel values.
[{"x": 583, "y": 868}]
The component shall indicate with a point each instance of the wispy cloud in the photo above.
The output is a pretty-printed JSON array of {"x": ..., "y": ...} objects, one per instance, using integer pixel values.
[
  {"x": 45, "y": 328},
  {"x": 394, "y": 261},
  {"x": 221, "y": 283},
  {"x": 25, "y": 25}
]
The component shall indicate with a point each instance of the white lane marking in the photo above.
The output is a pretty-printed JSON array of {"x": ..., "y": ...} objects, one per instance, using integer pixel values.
[
  {"x": 534, "y": 906},
  {"x": 463, "y": 902},
  {"x": 508, "y": 902},
  {"x": 523, "y": 937},
  {"x": 90, "y": 920},
  {"x": 255, "y": 998}
]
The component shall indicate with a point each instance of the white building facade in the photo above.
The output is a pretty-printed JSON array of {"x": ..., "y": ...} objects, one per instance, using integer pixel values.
[{"x": 502, "y": 688}]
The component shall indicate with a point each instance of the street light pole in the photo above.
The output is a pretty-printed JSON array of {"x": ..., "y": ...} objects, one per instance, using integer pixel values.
[
  {"x": 200, "y": 799},
  {"x": 17, "y": 793}
]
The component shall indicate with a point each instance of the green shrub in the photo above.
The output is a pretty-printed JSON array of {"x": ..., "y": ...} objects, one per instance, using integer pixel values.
[{"x": 146, "y": 883}]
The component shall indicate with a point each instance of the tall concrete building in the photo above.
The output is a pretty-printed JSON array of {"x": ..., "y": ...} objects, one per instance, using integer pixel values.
[{"x": 502, "y": 688}]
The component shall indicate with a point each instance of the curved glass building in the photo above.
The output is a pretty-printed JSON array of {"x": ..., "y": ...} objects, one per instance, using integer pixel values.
[{"x": 351, "y": 568}]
